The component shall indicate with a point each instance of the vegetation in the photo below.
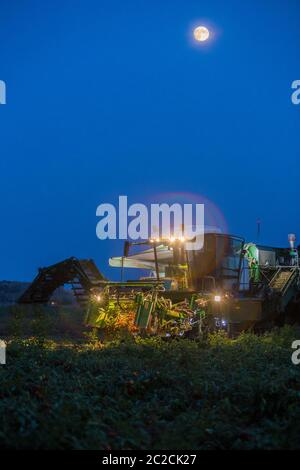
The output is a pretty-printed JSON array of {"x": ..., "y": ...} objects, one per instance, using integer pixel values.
[{"x": 63, "y": 388}]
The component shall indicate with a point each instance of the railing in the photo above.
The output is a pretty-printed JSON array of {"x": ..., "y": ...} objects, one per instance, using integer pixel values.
[
  {"x": 291, "y": 279},
  {"x": 267, "y": 273}
]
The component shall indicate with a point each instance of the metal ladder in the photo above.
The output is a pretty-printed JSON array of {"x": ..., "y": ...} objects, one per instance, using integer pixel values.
[{"x": 284, "y": 281}]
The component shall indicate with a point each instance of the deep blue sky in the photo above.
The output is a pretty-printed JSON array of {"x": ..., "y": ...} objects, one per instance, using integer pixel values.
[{"x": 113, "y": 97}]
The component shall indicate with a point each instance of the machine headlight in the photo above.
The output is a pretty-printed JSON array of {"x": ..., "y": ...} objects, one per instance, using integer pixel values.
[{"x": 217, "y": 298}]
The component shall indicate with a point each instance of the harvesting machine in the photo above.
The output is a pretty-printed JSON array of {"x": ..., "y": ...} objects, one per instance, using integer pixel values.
[{"x": 228, "y": 284}]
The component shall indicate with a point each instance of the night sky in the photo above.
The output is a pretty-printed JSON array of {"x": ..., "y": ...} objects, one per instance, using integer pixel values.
[{"x": 110, "y": 97}]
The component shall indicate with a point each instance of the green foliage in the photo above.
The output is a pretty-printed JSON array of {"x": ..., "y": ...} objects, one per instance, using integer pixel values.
[
  {"x": 20, "y": 321},
  {"x": 151, "y": 393}
]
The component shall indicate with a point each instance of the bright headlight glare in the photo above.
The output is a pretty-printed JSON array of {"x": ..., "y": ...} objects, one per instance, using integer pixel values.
[{"x": 217, "y": 298}]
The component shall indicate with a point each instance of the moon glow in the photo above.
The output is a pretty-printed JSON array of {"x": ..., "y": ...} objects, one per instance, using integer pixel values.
[{"x": 201, "y": 33}]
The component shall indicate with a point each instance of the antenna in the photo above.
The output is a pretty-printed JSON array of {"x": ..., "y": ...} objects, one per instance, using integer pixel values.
[{"x": 258, "y": 227}]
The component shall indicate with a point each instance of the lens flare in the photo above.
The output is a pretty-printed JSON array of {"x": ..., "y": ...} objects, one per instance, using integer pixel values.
[{"x": 214, "y": 218}]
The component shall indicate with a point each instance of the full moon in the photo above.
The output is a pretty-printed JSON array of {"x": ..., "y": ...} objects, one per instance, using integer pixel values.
[{"x": 201, "y": 33}]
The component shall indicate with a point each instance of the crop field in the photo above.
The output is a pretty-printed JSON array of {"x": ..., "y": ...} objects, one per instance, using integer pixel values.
[{"x": 63, "y": 388}]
